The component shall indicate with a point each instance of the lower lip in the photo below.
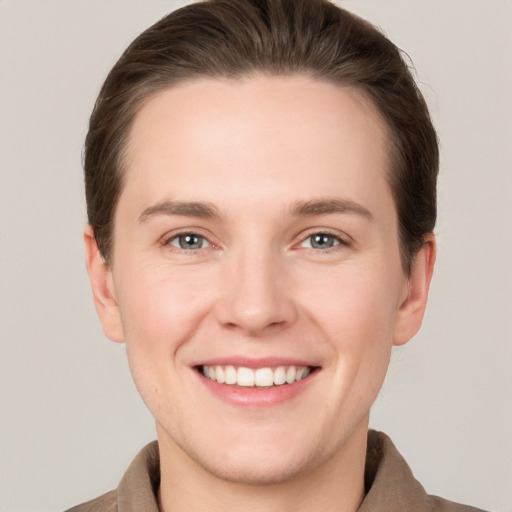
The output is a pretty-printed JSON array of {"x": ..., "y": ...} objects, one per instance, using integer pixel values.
[{"x": 257, "y": 397}]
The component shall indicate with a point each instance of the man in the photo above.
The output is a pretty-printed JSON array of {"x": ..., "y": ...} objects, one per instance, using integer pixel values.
[{"x": 260, "y": 180}]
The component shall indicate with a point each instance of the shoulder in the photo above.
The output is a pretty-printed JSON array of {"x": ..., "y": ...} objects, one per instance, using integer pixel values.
[
  {"x": 137, "y": 489},
  {"x": 104, "y": 503},
  {"x": 391, "y": 485},
  {"x": 442, "y": 505}
]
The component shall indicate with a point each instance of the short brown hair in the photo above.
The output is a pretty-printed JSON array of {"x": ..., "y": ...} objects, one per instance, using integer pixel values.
[{"x": 237, "y": 38}]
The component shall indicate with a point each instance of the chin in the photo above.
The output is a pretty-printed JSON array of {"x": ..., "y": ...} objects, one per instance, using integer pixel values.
[
  {"x": 256, "y": 469},
  {"x": 255, "y": 457},
  {"x": 259, "y": 455}
]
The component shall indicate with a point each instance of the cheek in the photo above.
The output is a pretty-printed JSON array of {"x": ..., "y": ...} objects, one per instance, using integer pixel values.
[
  {"x": 354, "y": 302},
  {"x": 160, "y": 311},
  {"x": 356, "y": 309},
  {"x": 160, "y": 306}
]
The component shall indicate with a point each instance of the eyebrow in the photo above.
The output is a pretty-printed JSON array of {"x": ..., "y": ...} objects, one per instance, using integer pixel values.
[
  {"x": 205, "y": 210},
  {"x": 329, "y": 206},
  {"x": 199, "y": 209}
]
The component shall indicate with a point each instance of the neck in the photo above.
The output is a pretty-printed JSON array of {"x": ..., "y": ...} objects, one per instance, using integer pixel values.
[{"x": 337, "y": 484}]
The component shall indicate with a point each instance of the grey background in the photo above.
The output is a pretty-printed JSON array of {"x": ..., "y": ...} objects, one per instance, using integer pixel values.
[{"x": 71, "y": 418}]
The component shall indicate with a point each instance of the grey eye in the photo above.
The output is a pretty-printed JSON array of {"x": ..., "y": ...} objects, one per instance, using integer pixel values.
[
  {"x": 188, "y": 241},
  {"x": 320, "y": 241}
]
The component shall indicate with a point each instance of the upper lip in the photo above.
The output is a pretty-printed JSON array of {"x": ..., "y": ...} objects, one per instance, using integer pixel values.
[{"x": 254, "y": 363}]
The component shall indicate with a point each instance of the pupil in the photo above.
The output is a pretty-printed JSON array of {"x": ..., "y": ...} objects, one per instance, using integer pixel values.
[
  {"x": 190, "y": 242},
  {"x": 322, "y": 241}
]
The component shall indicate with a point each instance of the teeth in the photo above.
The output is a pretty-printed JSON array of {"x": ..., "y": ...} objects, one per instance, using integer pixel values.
[
  {"x": 279, "y": 375},
  {"x": 299, "y": 375},
  {"x": 245, "y": 377},
  {"x": 219, "y": 375},
  {"x": 230, "y": 375},
  {"x": 262, "y": 377},
  {"x": 291, "y": 374}
]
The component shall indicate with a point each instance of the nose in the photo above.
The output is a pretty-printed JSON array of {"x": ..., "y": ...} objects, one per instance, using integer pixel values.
[{"x": 256, "y": 298}]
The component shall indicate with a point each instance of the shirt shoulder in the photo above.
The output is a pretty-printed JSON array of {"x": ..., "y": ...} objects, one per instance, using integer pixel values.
[
  {"x": 391, "y": 486},
  {"x": 137, "y": 490},
  {"x": 442, "y": 505},
  {"x": 104, "y": 503}
]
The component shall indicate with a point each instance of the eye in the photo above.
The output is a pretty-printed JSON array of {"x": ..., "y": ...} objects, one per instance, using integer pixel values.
[
  {"x": 189, "y": 241},
  {"x": 321, "y": 241}
]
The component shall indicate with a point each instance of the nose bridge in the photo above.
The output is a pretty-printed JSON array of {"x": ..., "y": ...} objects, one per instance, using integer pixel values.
[{"x": 256, "y": 297}]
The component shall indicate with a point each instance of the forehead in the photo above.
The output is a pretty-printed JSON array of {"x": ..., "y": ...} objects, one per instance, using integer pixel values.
[{"x": 260, "y": 133}]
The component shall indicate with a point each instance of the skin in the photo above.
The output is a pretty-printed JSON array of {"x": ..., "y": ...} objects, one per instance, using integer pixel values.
[{"x": 255, "y": 151}]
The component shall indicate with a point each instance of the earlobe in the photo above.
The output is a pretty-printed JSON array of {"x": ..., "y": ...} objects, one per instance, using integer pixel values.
[
  {"x": 412, "y": 309},
  {"x": 103, "y": 289}
]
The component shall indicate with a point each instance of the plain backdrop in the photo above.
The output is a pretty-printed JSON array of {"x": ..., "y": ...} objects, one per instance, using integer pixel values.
[{"x": 71, "y": 420}]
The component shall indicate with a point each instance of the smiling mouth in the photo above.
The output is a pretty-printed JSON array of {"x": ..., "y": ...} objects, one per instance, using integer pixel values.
[{"x": 255, "y": 378}]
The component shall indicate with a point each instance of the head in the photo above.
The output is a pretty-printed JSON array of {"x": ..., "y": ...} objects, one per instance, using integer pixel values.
[{"x": 261, "y": 194}]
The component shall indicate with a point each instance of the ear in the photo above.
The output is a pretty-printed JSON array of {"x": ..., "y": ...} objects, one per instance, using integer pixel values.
[
  {"x": 103, "y": 289},
  {"x": 412, "y": 309}
]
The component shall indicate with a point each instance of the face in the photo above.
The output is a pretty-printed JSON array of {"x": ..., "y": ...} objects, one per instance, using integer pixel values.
[{"x": 256, "y": 276}]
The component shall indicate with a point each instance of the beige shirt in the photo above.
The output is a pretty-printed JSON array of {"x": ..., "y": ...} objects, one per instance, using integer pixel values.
[{"x": 390, "y": 484}]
